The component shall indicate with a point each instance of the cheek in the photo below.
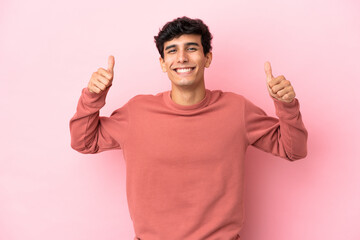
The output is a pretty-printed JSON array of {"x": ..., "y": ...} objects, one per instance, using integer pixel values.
[
  {"x": 201, "y": 61},
  {"x": 168, "y": 64}
]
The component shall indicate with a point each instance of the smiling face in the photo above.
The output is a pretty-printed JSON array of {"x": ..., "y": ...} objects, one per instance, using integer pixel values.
[{"x": 184, "y": 61}]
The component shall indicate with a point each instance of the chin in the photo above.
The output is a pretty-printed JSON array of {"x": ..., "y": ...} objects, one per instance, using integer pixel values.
[{"x": 184, "y": 83}]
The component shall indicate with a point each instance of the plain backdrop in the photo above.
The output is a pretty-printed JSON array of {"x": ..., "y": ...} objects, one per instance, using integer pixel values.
[{"x": 49, "y": 49}]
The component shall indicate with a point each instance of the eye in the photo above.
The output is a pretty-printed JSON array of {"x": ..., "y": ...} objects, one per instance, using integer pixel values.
[
  {"x": 172, "y": 51},
  {"x": 192, "y": 49}
]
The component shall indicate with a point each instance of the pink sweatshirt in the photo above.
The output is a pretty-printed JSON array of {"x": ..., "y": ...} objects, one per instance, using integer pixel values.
[{"x": 184, "y": 164}]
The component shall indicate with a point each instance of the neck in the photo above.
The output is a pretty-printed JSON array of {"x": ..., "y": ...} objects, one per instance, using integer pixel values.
[{"x": 187, "y": 96}]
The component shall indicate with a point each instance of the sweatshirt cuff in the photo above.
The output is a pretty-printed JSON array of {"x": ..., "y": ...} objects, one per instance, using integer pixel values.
[
  {"x": 285, "y": 109},
  {"x": 94, "y": 99}
]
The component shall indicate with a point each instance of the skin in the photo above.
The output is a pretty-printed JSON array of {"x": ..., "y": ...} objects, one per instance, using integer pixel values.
[
  {"x": 102, "y": 78},
  {"x": 184, "y": 52},
  {"x": 188, "y": 88},
  {"x": 278, "y": 87}
]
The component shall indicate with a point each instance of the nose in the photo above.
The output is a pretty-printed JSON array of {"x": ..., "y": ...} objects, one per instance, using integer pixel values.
[{"x": 182, "y": 56}]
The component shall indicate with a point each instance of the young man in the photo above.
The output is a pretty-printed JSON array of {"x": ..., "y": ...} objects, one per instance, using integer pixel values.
[{"x": 184, "y": 148}]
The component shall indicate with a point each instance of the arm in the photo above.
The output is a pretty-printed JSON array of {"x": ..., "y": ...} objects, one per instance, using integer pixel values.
[
  {"x": 285, "y": 137},
  {"x": 91, "y": 133}
]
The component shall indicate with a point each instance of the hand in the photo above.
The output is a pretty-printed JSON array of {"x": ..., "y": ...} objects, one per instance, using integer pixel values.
[
  {"x": 102, "y": 79},
  {"x": 279, "y": 87}
]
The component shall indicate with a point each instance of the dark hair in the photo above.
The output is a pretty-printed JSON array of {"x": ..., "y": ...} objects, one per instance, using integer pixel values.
[{"x": 180, "y": 26}]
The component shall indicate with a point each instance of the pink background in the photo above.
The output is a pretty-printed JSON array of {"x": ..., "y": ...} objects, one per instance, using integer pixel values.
[{"x": 49, "y": 49}]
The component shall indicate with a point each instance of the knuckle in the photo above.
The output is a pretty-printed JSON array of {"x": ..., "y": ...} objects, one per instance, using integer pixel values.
[{"x": 104, "y": 80}]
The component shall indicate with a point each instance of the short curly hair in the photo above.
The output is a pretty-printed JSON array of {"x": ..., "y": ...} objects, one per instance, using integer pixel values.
[{"x": 180, "y": 26}]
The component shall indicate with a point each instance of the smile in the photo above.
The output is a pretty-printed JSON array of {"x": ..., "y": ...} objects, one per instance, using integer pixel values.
[{"x": 184, "y": 70}]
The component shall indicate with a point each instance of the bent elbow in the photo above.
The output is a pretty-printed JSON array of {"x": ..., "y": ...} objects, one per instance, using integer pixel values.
[
  {"x": 299, "y": 149},
  {"x": 83, "y": 149},
  {"x": 297, "y": 156}
]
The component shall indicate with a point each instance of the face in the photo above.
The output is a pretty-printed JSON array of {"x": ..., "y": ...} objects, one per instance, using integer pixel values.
[{"x": 184, "y": 60}]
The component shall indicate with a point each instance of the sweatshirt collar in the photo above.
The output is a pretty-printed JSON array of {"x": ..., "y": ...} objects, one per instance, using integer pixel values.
[{"x": 203, "y": 103}]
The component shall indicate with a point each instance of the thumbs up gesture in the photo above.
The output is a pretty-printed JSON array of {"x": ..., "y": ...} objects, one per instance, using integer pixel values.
[
  {"x": 279, "y": 87},
  {"x": 102, "y": 79}
]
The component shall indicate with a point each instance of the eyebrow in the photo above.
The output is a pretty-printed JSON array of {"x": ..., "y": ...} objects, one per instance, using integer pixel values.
[{"x": 186, "y": 44}]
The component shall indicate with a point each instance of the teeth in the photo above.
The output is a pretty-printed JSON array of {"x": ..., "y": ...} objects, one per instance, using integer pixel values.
[{"x": 183, "y": 70}]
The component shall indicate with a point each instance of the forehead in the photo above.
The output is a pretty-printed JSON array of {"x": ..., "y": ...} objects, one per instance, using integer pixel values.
[{"x": 183, "y": 39}]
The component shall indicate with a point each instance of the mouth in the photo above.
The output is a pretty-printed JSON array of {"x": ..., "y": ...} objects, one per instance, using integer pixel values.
[{"x": 184, "y": 69}]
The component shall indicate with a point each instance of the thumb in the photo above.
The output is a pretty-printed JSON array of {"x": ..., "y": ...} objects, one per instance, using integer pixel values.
[
  {"x": 268, "y": 71},
  {"x": 111, "y": 63}
]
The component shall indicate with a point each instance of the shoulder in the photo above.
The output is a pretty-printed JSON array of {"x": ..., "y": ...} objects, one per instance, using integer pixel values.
[
  {"x": 144, "y": 102},
  {"x": 228, "y": 96},
  {"x": 139, "y": 101},
  {"x": 236, "y": 101},
  {"x": 145, "y": 98}
]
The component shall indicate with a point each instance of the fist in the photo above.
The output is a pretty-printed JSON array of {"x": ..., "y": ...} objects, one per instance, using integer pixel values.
[
  {"x": 279, "y": 87},
  {"x": 102, "y": 79}
]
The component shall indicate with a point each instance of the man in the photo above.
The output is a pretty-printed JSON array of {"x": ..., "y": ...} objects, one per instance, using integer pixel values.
[{"x": 184, "y": 148}]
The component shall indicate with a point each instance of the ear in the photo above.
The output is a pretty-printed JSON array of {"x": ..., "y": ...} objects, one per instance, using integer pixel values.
[
  {"x": 162, "y": 64},
  {"x": 208, "y": 59}
]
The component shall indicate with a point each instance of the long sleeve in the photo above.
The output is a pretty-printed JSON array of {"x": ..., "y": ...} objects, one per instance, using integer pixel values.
[
  {"x": 284, "y": 136},
  {"x": 91, "y": 133}
]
